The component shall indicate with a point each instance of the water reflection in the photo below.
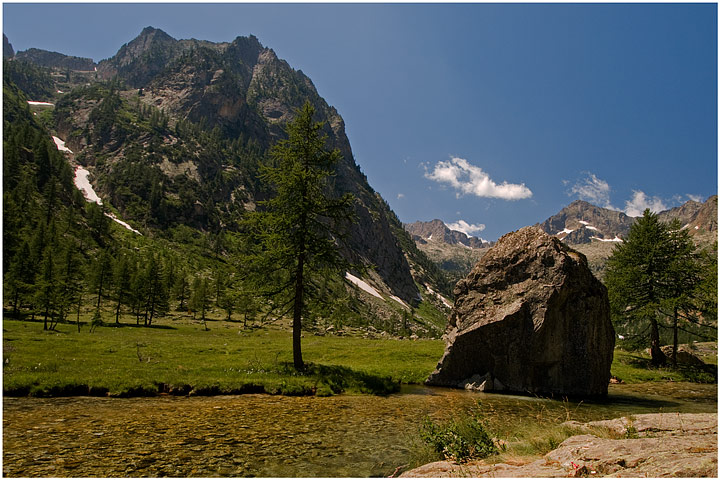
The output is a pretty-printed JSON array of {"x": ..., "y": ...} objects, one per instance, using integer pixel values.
[{"x": 272, "y": 436}]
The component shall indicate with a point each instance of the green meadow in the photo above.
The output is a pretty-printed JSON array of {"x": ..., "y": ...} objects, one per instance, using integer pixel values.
[{"x": 180, "y": 357}]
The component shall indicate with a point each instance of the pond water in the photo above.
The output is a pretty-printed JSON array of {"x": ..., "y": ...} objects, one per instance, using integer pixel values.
[{"x": 273, "y": 436}]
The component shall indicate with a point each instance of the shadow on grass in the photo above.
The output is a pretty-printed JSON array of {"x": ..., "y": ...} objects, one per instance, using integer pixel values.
[
  {"x": 707, "y": 373},
  {"x": 332, "y": 379},
  {"x": 133, "y": 325}
]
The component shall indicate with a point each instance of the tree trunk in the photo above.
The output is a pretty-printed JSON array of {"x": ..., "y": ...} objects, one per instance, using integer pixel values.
[
  {"x": 117, "y": 312},
  {"x": 657, "y": 357},
  {"x": 16, "y": 299},
  {"x": 297, "y": 314},
  {"x": 181, "y": 307},
  {"x": 78, "y": 311},
  {"x": 100, "y": 287}
]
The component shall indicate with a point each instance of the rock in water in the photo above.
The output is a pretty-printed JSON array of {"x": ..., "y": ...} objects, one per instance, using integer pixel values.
[{"x": 532, "y": 316}]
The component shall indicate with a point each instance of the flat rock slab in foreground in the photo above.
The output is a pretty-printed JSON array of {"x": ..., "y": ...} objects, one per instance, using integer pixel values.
[
  {"x": 668, "y": 445},
  {"x": 531, "y": 318}
]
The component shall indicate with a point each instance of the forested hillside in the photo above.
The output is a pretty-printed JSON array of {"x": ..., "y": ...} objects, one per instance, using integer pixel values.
[{"x": 173, "y": 135}]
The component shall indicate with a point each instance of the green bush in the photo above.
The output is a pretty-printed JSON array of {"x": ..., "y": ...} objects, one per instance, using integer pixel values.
[{"x": 460, "y": 439}]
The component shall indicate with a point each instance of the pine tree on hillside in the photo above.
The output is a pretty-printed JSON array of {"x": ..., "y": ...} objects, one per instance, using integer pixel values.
[
  {"x": 299, "y": 227},
  {"x": 652, "y": 276},
  {"x": 122, "y": 275},
  {"x": 683, "y": 276}
]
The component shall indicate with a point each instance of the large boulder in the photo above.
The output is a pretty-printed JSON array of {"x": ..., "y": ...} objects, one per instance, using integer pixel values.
[{"x": 533, "y": 318}]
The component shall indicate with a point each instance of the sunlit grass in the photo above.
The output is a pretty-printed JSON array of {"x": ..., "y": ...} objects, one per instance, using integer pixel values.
[{"x": 181, "y": 357}]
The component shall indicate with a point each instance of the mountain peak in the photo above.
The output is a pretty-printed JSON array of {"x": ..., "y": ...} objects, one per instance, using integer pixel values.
[
  {"x": 152, "y": 31},
  {"x": 8, "y": 51},
  {"x": 437, "y": 231},
  {"x": 582, "y": 222},
  {"x": 142, "y": 58}
]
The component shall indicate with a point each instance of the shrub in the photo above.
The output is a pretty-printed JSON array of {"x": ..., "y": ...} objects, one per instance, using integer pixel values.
[{"x": 459, "y": 439}]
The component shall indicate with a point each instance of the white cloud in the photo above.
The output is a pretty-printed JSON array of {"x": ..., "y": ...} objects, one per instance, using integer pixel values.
[
  {"x": 593, "y": 190},
  {"x": 467, "y": 178},
  {"x": 639, "y": 202},
  {"x": 467, "y": 228},
  {"x": 695, "y": 198},
  {"x": 400, "y": 196}
]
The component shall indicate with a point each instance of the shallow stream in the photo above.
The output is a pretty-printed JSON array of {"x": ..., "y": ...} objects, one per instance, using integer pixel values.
[{"x": 274, "y": 436}]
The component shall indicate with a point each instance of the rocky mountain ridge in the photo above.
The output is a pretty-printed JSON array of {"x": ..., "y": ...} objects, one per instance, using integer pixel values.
[
  {"x": 436, "y": 230},
  {"x": 581, "y": 222},
  {"x": 453, "y": 251},
  {"x": 57, "y": 60},
  {"x": 590, "y": 229},
  {"x": 175, "y": 131}
]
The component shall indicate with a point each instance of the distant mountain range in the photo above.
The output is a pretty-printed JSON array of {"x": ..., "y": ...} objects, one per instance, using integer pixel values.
[
  {"x": 453, "y": 251},
  {"x": 588, "y": 228},
  {"x": 436, "y": 230},
  {"x": 582, "y": 223}
]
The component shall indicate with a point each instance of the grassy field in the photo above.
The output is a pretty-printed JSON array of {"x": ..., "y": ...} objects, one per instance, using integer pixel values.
[
  {"x": 178, "y": 356},
  {"x": 635, "y": 367}
]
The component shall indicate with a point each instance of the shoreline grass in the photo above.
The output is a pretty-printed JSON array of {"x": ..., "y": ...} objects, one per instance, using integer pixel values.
[{"x": 179, "y": 357}]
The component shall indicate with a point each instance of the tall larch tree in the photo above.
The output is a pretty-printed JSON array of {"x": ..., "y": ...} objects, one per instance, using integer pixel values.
[{"x": 298, "y": 228}]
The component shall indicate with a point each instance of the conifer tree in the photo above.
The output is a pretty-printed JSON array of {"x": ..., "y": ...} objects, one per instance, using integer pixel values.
[
  {"x": 156, "y": 299},
  {"x": 653, "y": 275},
  {"x": 200, "y": 299},
  {"x": 71, "y": 284},
  {"x": 46, "y": 293},
  {"x": 101, "y": 275},
  {"x": 299, "y": 227},
  {"x": 122, "y": 276},
  {"x": 19, "y": 277},
  {"x": 683, "y": 275},
  {"x": 706, "y": 291}
]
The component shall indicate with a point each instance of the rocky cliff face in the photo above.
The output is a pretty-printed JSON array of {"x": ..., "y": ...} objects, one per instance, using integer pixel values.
[
  {"x": 530, "y": 317},
  {"x": 8, "y": 51},
  {"x": 699, "y": 218},
  {"x": 241, "y": 95}
]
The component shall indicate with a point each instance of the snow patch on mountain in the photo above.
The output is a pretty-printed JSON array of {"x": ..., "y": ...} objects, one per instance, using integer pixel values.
[
  {"x": 363, "y": 285},
  {"x": 61, "y": 145},
  {"x": 400, "y": 301},
  {"x": 616, "y": 239},
  {"x": 442, "y": 299},
  {"x": 83, "y": 184}
]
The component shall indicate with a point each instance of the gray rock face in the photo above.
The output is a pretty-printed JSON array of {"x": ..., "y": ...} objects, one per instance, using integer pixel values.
[{"x": 532, "y": 316}]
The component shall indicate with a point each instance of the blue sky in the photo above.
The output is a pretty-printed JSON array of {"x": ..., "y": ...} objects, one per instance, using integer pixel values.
[{"x": 495, "y": 115}]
